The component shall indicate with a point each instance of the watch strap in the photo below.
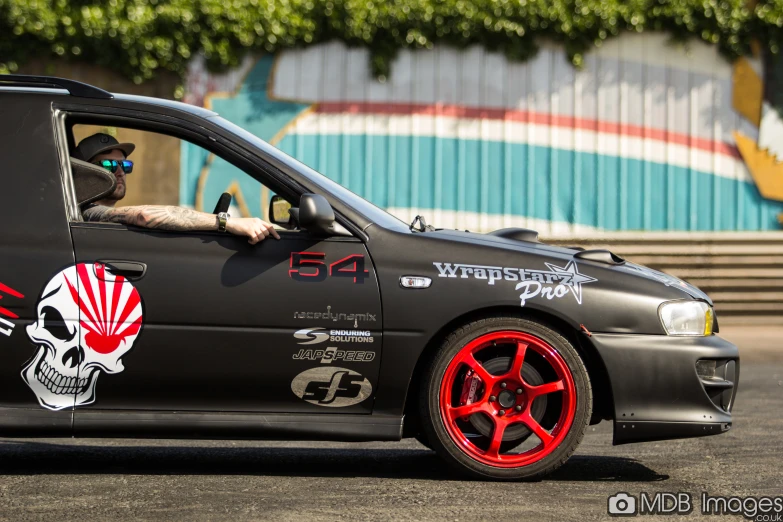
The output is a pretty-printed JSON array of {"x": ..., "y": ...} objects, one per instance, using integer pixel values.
[{"x": 222, "y": 219}]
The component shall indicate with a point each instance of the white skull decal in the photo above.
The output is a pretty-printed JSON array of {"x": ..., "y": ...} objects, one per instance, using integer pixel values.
[{"x": 88, "y": 319}]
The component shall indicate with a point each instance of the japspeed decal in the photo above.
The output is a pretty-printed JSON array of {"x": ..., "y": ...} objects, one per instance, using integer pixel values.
[
  {"x": 557, "y": 282},
  {"x": 88, "y": 319},
  {"x": 332, "y": 353},
  {"x": 331, "y": 387},
  {"x": 317, "y": 336},
  {"x": 6, "y": 326}
]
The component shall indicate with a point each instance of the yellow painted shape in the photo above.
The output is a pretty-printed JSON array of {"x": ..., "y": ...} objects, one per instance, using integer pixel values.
[
  {"x": 235, "y": 191},
  {"x": 747, "y": 91},
  {"x": 767, "y": 172},
  {"x": 202, "y": 182},
  {"x": 232, "y": 189}
]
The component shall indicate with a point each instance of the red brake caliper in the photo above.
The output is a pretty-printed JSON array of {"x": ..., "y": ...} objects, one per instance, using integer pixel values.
[{"x": 469, "y": 387}]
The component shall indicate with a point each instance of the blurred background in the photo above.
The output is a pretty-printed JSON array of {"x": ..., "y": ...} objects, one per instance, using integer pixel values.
[{"x": 651, "y": 127}]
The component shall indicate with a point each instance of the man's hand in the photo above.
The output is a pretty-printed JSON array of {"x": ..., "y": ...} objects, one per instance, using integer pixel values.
[{"x": 254, "y": 228}]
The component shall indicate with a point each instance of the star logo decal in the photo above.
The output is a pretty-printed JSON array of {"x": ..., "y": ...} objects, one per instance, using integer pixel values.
[{"x": 571, "y": 278}]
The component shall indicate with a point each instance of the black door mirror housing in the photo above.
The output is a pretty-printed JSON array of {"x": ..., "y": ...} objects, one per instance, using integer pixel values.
[{"x": 315, "y": 215}]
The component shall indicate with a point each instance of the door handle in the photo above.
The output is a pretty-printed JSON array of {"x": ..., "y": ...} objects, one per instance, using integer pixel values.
[{"x": 130, "y": 270}]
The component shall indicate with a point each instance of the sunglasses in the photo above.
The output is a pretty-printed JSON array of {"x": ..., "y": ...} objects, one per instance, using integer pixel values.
[{"x": 111, "y": 165}]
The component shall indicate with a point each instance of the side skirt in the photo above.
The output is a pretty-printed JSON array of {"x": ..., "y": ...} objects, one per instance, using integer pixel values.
[{"x": 189, "y": 425}]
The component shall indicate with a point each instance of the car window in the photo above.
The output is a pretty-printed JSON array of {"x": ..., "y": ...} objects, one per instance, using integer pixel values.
[{"x": 171, "y": 171}]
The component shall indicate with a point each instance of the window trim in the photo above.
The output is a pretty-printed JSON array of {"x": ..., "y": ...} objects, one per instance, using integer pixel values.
[
  {"x": 198, "y": 135},
  {"x": 69, "y": 191}
]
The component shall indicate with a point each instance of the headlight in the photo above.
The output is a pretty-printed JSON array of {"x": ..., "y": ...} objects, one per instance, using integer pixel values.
[{"x": 686, "y": 318}]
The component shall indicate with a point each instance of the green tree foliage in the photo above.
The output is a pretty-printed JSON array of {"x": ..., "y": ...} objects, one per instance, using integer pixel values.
[{"x": 139, "y": 37}]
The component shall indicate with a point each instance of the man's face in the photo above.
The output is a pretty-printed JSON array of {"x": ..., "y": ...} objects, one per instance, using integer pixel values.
[{"x": 119, "y": 191}]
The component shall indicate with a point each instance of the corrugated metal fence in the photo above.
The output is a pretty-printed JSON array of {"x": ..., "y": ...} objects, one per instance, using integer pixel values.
[{"x": 639, "y": 139}]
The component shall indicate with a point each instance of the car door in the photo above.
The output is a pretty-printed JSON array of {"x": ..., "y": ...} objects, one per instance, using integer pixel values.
[
  {"x": 204, "y": 321},
  {"x": 38, "y": 326}
]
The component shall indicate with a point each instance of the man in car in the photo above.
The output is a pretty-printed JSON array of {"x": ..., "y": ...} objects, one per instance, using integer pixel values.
[{"x": 105, "y": 151}]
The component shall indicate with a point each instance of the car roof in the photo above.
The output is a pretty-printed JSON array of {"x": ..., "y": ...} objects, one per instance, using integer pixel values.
[{"x": 17, "y": 83}]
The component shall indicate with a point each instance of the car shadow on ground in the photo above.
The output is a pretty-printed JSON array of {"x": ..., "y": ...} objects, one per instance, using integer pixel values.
[{"x": 43, "y": 458}]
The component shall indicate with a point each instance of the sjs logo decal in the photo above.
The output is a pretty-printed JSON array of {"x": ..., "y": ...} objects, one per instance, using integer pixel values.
[
  {"x": 311, "y": 335},
  {"x": 331, "y": 387},
  {"x": 63, "y": 372}
]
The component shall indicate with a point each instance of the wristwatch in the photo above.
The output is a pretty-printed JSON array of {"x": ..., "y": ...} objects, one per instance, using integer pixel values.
[{"x": 222, "y": 219}]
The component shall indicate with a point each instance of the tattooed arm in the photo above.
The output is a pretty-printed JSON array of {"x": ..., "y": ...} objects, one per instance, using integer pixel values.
[{"x": 165, "y": 217}]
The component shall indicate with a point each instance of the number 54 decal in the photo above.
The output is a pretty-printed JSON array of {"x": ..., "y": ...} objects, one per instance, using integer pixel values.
[{"x": 311, "y": 266}]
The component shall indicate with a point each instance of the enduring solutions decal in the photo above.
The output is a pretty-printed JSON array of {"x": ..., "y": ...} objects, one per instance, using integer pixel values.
[
  {"x": 549, "y": 284},
  {"x": 88, "y": 319}
]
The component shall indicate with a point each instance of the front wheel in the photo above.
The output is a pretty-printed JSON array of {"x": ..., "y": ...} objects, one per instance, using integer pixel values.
[{"x": 506, "y": 398}]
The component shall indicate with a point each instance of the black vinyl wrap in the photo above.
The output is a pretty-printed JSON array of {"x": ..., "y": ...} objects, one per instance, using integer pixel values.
[{"x": 657, "y": 393}]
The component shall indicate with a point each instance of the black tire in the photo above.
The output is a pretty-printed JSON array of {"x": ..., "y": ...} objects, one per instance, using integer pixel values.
[{"x": 436, "y": 433}]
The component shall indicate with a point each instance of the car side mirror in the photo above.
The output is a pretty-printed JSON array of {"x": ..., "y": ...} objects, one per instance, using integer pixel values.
[
  {"x": 280, "y": 212},
  {"x": 315, "y": 215}
]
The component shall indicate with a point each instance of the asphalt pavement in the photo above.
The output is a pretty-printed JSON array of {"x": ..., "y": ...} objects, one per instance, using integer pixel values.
[{"x": 121, "y": 479}]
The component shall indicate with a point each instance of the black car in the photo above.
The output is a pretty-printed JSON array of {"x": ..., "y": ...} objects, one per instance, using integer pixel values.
[{"x": 495, "y": 350}]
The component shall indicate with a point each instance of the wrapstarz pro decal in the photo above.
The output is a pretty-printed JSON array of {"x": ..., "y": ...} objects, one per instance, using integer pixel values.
[
  {"x": 332, "y": 387},
  {"x": 88, "y": 319},
  {"x": 549, "y": 284},
  {"x": 6, "y": 326}
]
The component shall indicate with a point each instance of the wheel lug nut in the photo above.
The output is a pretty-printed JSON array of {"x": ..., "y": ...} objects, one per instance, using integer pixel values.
[
  {"x": 503, "y": 385},
  {"x": 518, "y": 407},
  {"x": 519, "y": 391},
  {"x": 502, "y": 412},
  {"x": 492, "y": 398}
]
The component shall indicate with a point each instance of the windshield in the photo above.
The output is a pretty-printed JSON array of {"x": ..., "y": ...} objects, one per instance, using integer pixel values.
[{"x": 373, "y": 213}]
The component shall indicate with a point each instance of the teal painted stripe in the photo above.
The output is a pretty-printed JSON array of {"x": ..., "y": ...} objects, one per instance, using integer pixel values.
[{"x": 601, "y": 191}]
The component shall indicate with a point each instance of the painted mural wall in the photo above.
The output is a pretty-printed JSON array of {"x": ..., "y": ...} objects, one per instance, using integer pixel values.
[{"x": 643, "y": 137}]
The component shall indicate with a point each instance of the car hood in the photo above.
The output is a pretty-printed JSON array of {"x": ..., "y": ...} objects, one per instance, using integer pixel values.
[{"x": 534, "y": 247}]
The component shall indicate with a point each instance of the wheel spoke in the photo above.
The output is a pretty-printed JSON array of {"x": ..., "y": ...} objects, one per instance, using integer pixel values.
[
  {"x": 544, "y": 389},
  {"x": 497, "y": 437},
  {"x": 519, "y": 359},
  {"x": 483, "y": 374},
  {"x": 465, "y": 411},
  {"x": 458, "y": 388},
  {"x": 536, "y": 428}
]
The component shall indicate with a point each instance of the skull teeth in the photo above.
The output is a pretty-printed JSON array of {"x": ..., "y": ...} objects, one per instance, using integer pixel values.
[{"x": 58, "y": 383}]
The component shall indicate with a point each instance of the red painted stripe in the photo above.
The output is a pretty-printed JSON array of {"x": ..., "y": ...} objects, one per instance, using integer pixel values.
[
  {"x": 8, "y": 313},
  {"x": 10, "y": 291},
  {"x": 571, "y": 122}
]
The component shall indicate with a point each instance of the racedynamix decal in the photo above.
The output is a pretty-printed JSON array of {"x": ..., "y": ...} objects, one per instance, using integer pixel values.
[
  {"x": 65, "y": 369},
  {"x": 557, "y": 282},
  {"x": 328, "y": 315},
  {"x": 331, "y": 386},
  {"x": 6, "y": 326}
]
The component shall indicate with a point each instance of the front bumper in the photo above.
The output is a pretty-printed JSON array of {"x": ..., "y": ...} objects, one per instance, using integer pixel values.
[{"x": 657, "y": 391}]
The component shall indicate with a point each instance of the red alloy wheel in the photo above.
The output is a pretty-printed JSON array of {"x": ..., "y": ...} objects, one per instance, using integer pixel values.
[{"x": 489, "y": 405}]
